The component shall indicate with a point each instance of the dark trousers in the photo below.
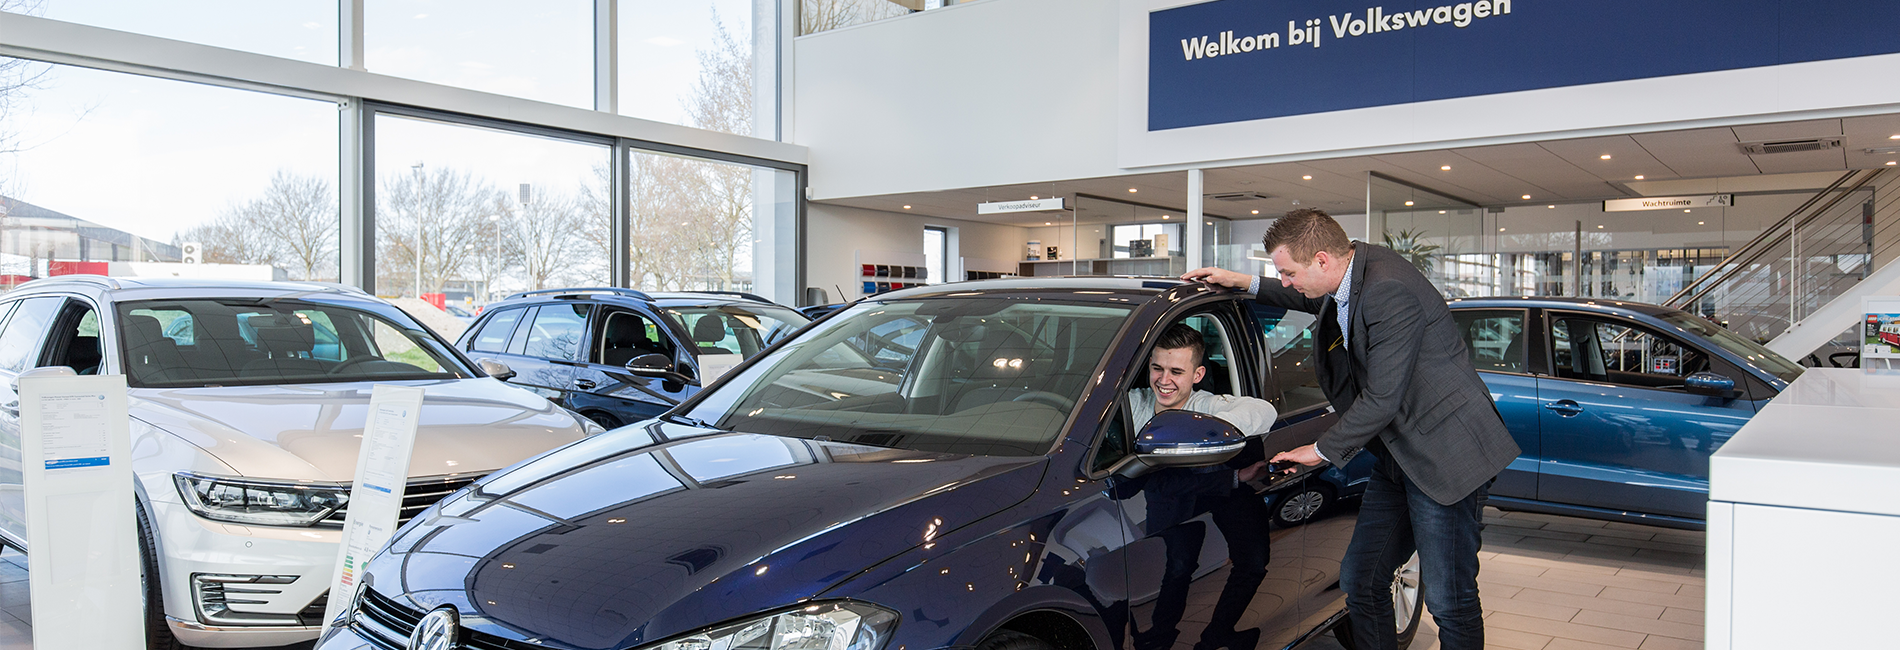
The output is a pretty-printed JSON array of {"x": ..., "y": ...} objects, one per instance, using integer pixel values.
[{"x": 1396, "y": 519}]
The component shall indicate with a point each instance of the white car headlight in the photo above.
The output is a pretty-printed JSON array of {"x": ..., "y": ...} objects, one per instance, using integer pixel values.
[
  {"x": 261, "y": 503},
  {"x": 818, "y": 626}
]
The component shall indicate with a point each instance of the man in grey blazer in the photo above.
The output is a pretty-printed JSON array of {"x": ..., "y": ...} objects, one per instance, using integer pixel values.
[{"x": 1392, "y": 362}]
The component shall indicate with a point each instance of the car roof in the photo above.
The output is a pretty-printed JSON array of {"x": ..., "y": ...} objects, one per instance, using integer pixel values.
[
  {"x": 1083, "y": 287},
  {"x": 127, "y": 289},
  {"x": 1589, "y": 304}
]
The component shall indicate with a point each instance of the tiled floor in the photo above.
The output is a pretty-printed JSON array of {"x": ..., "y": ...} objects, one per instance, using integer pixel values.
[
  {"x": 1548, "y": 583},
  {"x": 1561, "y": 583}
]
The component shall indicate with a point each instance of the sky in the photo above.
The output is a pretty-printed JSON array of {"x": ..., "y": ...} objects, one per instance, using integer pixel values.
[{"x": 155, "y": 157}]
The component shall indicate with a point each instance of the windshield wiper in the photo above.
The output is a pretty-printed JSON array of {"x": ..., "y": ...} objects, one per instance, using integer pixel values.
[{"x": 691, "y": 422}]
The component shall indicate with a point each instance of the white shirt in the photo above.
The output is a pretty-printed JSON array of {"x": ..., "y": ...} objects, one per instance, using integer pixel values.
[{"x": 1253, "y": 417}]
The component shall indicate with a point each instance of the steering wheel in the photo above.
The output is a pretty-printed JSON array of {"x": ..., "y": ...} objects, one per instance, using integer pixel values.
[
  {"x": 352, "y": 363},
  {"x": 1046, "y": 398}
]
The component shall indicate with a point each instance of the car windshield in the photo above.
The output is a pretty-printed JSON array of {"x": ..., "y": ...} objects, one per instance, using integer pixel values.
[
  {"x": 737, "y": 329},
  {"x": 1749, "y": 351},
  {"x": 203, "y": 342},
  {"x": 957, "y": 375}
]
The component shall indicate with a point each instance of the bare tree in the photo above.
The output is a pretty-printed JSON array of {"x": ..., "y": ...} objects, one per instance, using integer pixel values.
[
  {"x": 544, "y": 235},
  {"x": 821, "y": 15},
  {"x": 439, "y": 216},
  {"x": 293, "y": 226}
]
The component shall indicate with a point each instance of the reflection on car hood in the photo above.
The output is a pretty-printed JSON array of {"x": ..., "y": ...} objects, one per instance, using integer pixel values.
[
  {"x": 312, "y": 432},
  {"x": 630, "y": 537}
]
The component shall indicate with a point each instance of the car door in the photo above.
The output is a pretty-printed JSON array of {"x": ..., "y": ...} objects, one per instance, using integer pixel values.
[
  {"x": 604, "y": 390},
  {"x": 1619, "y": 432},
  {"x": 547, "y": 347},
  {"x": 25, "y": 330},
  {"x": 1497, "y": 341},
  {"x": 1204, "y": 567}
]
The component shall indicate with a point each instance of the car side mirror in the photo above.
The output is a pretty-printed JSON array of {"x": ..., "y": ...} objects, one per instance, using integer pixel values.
[
  {"x": 1184, "y": 439},
  {"x": 658, "y": 366},
  {"x": 500, "y": 371},
  {"x": 1710, "y": 384}
]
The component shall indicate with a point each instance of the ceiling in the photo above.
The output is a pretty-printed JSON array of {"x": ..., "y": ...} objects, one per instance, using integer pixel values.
[{"x": 1554, "y": 171}]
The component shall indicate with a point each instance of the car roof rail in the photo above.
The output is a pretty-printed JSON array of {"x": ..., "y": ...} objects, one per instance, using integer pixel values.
[
  {"x": 345, "y": 288},
  {"x": 87, "y": 278},
  {"x": 577, "y": 291},
  {"x": 741, "y": 294}
]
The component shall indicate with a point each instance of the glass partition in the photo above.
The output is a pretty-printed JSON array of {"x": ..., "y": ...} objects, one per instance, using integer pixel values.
[
  {"x": 687, "y": 62},
  {"x": 304, "y": 30},
  {"x": 536, "y": 50}
]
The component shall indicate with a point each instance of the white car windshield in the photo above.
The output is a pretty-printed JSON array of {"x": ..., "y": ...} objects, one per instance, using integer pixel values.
[
  {"x": 969, "y": 376},
  {"x": 203, "y": 342}
]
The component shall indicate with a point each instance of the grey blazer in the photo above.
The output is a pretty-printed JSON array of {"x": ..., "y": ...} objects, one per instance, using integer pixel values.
[{"x": 1405, "y": 380}]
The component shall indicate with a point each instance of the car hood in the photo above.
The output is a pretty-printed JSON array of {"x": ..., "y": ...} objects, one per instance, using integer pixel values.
[
  {"x": 652, "y": 530},
  {"x": 311, "y": 432}
]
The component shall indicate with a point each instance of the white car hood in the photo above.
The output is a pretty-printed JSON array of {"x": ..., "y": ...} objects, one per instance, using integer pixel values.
[{"x": 312, "y": 432}]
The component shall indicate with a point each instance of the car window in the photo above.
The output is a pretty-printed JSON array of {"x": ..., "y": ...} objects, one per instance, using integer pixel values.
[
  {"x": 736, "y": 329},
  {"x": 1749, "y": 351},
  {"x": 1289, "y": 339},
  {"x": 1590, "y": 349},
  {"x": 26, "y": 330},
  {"x": 1494, "y": 338},
  {"x": 1222, "y": 377},
  {"x": 987, "y": 377},
  {"x": 556, "y": 332},
  {"x": 75, "y": 344},
  {"x": 247, "y": 341},
  {"x": 493, "y": 336},
  {"x": 1114, "y": 442},
  {"x": 624, "y": 335}
]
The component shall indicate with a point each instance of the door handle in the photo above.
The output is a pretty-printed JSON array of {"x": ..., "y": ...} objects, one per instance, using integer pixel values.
[
  {"x": 1564, "y": 407},
  {"x": 584, "y": 384}
]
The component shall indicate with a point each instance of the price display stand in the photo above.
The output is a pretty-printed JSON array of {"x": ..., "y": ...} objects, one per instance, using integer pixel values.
[{"x": 382, "y": 472}]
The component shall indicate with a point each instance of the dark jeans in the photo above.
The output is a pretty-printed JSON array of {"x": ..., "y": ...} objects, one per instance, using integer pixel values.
[{"x": 1395, "y": 519}]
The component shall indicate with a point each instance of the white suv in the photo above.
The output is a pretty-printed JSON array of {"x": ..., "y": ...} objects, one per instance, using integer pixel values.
[{"x": 247, "y": 407}]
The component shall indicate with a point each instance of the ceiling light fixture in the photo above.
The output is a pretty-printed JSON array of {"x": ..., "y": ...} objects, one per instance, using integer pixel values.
[
  {"x": 1551, "y": 207},
  {"x": 1307, "y": 177},
  {"x": 1048, "y": 223},
  {"x": 1599, "y": 226},
  {"x": 1441, "y": 211},
  {"x": 1164, "y": 216},
  {"x": 1033, "y": 198},
  {"x": 1639, "y": 177},
  {"x": 1256, "y": 212},
  {"x": 1685, "y": 210},
  {"x": 1700, "y": 222},
  {"x": 1133, "y": 190},
  {"x": 1500, "y": 230},
  {"x": 1444, "y": 168},
  {"x": 1895, "y": 136},
  {"x": 1891, "y": 162},
  {"x": 1527, "y": 197},
  {"x": 1408, "y": 202},
  {"x": 1605, "y": 156},
  {"x": 906, "y": 207}
]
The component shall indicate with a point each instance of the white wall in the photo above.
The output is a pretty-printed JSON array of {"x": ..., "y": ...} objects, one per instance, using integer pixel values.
[
  {"x": 990, "y": 92},
  {"x": 834, "y": 234}
]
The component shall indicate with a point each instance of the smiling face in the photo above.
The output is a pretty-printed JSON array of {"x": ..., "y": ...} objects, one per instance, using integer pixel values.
[
  {"x": 1172, "y": 373},
  {"x": 1314, "y": 278}
]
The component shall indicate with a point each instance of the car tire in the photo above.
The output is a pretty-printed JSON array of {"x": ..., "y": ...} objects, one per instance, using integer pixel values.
[
  {"x": 1406, "y": 604},
  {"x": 158, "y": 635},
  {"x": 1012, "y": 640},
  {"x": 1302, "y": 503}
]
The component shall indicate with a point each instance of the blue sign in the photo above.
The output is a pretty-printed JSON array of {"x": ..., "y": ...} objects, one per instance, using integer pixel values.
[
  {"x": 1236, "y": 60},
  {"x": 75, "y": 463}
]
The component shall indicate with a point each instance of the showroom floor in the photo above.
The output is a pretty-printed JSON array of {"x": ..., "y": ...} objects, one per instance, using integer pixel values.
[{"x": 1549, "y": 583}]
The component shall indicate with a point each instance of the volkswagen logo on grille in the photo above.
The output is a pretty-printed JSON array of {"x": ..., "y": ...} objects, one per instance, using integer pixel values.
[{"x": 436, "y": 630}]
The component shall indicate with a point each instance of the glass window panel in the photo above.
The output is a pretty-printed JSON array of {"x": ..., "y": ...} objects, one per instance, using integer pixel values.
[
  {"x": 687, "y": 62},
  {"x": 494, "y": 335},
  {"x": 1493, "y": 339},
  {"x": 470, "y": 215},
  {"x": 823, "y": 15},
  {"x": 625, "y": 335},
  {"x": 106, "y": 172},
  {"x": 556, "y": 332},
  {"x": 1290, "y": 342},
  {"x": 692, "y": 224},
  {"x": 26, "y": 331},
  {"x": 537, "y": 50},
  {"x": 934, "y": 254},
  {"x": 304, "y": 30}
]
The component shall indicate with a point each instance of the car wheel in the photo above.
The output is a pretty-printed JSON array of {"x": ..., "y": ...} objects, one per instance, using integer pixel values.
[
  {"x": 1302, "y": 503},
  {"x": 605, "y": 420},
  {"x": 1407, "y": 607},
  {"x": 1012, "y": 640},
  {"x": 158, "y": 635}
]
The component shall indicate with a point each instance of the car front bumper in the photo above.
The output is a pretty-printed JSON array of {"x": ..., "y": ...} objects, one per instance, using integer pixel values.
[{"x": 229, "y": 586}]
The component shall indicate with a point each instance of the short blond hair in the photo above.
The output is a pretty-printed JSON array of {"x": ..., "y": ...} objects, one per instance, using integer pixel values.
[{"x": 1305, "y": 232}]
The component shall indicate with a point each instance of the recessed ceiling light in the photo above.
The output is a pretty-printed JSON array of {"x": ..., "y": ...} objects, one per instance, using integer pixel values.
[
  {"x": 1686, "y": 210},
  {"x": 1164, "y": 216},
  {"x": 1895, "y": 136},
  {"x": 1256, "y": 212},
  {"x": 906, "y": 207},
  {"x": 1033, "y": 198},
  {"x": 1639, "y": 177},
  {"x": 1444, "y": 168},
  {"x": 1551, "y": 207},
  {"x": 1599, "y": 226},
  {"x": 1700, "y": 222},
  {"x": 1307, "y": 177},
  {"x": 1500, "y": 230},
  {"x": 1891, "y": 162},
  {"x": 1441, "y": 211},
  {"x": 1605, "y": 156},
  {"x": 1408, "y": 202},
  {"x": 1048, "y": 223},
  {"x": 1133, "y": 190},
  {"x": 1527, "y": 197}
]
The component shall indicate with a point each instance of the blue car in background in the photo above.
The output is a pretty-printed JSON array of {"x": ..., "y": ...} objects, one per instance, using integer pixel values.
[
  {"x": 1616, "y": 405},
  {"x": 950, "y": 466}
]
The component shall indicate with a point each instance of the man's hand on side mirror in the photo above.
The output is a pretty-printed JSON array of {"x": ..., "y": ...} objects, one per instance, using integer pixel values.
[
  {"x": 1307, "y": 455},
  {"x": 1220, "y": 276}
]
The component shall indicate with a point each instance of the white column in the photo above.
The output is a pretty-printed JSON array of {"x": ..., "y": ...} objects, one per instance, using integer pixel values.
[
  {"x": 349, "y": 32},
  {"x": 607, "y": 56},
  {"x": 1196, "y": 222}
]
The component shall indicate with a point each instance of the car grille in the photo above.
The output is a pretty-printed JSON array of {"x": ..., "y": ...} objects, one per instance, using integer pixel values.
[
  {"x": 387, "y": 624},
  {"x": 417, "y": 497}
]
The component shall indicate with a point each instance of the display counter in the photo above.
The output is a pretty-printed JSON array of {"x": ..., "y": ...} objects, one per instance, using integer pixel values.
[{"x": 1804, "y": 514}]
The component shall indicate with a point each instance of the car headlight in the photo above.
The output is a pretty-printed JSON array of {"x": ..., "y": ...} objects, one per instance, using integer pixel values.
[
  {"x": 243, "y": 501},
  {"x": 818, "y": 626}
]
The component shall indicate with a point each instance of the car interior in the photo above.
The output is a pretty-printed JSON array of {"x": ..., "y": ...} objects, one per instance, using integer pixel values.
[
  {"x": 200, "y": 341},
  {"x": 1493, "y": 339},
  {"x": 1609, "y": 352},
  {"x": 625, "y": 335}
]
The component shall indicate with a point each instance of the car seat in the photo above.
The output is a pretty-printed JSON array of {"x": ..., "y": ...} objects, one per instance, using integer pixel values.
[
  {"x": 1000, "y": 361},
  {"x": 84, "y": 356},
  {"x": 625, "y": 338},
  {"x": 707, "y": 331},
  {"x": 288, "y": 339},
  {"x": 152, "y": 356}
]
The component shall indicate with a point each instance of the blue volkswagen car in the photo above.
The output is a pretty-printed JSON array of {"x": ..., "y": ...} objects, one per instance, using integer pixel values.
[{"x": 946, "y": 466}]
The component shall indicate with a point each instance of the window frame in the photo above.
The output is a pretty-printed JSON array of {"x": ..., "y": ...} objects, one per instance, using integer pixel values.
[{"x": 1223, "y": 309}]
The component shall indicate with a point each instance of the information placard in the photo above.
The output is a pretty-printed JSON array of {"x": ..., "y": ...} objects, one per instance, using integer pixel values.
[
  {"x": 82, "y": 536},
  {"x": 1880, "y": 335},
  {"x": 382, "y": 472}
]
